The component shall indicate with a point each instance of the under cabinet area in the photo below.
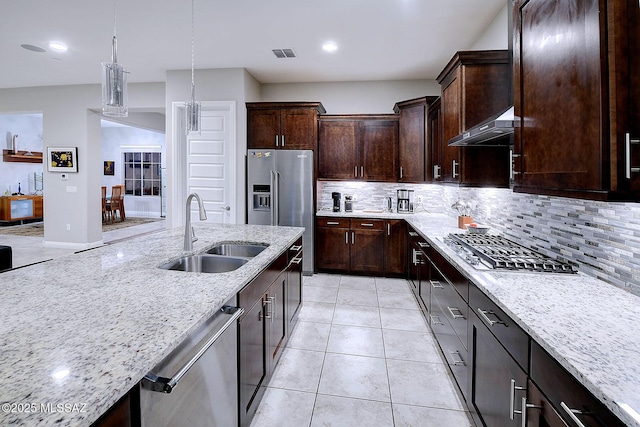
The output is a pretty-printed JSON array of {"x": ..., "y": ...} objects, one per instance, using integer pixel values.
[
  {"x": 283, "y": 125},
  {"x": 358, "y": 147}
]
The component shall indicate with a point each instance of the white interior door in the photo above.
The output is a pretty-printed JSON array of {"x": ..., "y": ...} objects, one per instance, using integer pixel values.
[{"x": 210, "y": 163}]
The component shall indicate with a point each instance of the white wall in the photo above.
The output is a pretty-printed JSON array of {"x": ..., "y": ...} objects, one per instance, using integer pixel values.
[
  {"x": 225, "y": 84},
  {"x": 69, "y": 120},
  {"x": 28, "y": 127},
  {"x": 496, "y": 36},
  {"x": 374, "y": 97}
]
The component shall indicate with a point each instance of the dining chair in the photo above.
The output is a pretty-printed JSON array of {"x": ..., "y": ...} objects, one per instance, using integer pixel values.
[
  {"x": 106, "y": 212},
  {"x": 116, "y": 202}
]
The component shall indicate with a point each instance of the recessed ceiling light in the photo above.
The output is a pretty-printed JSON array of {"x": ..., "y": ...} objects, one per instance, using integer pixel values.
[
  {"x": 329, "y": 47},
  {"x": 58, "y": 47},
  {"x": 32, "y": 48}
]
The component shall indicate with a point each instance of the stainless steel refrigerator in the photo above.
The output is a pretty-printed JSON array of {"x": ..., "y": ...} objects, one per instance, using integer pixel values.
[{"x": 280, "y": 192}]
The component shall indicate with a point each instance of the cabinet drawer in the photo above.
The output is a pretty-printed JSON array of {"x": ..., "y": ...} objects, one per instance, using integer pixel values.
[
  {"x": 295, "y": 250},
  {"x": 258, "y": 286},
  {"x": 561, "y": 387},
  {"x": 450, "y": 273},
  {"x": 367, "y": 224},
  {"x": 453, "y": 308},
  {"x": 333, "y": 222},
  {"x": 510, "y": 335}
]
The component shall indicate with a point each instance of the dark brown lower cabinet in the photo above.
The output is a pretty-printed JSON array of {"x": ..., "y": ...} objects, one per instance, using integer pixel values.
[
  {"x": 294, "y": 285},
  {"x": 367, "y": 246},
  {"x": 540, "y": 412},
  {"x": 332, "y": 244},
  {"x": 395, "y": 248},
  {"x": 569, "y": 398},
  {"x": 498, "y": 383}
]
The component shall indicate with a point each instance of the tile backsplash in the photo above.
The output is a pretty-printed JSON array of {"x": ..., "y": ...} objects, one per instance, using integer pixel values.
[{"x": 601, "y": 238}]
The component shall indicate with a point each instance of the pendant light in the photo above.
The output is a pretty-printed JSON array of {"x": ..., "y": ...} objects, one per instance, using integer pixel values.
[
  {"x": 114, "y": 81},
  {"x": 193, "y": 106}
]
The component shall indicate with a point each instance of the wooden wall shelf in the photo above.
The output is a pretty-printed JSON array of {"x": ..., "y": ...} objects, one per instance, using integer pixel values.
[{"x": 21, "y": 156}]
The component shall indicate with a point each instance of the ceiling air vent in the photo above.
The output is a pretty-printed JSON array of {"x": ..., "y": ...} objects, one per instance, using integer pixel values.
[{"x": 284, "y": 53}]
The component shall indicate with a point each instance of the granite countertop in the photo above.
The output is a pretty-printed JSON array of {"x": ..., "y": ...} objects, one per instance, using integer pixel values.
[
  {"x": 82, "y": 330},
  {"x": 590, "y": 327}
]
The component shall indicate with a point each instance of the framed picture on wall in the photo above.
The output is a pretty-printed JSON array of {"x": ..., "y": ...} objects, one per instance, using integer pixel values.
[
  {"x": 109, "y": 167},
  {"x": 62, "y": 159}
]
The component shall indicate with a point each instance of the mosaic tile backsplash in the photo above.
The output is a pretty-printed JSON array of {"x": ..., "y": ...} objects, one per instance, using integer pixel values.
[{"x": 602, "y": 239}]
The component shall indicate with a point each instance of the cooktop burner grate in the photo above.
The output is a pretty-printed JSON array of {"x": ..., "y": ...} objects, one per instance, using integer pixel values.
[{"x": 498, "y": 252}]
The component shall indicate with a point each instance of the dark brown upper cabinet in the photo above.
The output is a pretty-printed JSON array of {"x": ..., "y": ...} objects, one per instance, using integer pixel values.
[
  {"x": 475, "y": 85},
  {"x": 283, "y": 125},
  {"x": 413, "y": 153},
  {"x": 435, "y": 145},
  {"x": 577, "y": 98},
  {"x": 358, "y": 147}
]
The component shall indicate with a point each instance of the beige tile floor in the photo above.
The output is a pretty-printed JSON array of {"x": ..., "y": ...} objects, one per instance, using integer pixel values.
[{"x": 361, "y": 355}]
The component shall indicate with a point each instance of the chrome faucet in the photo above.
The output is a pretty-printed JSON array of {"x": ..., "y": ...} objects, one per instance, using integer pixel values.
[{"x": 189, "y": 234}]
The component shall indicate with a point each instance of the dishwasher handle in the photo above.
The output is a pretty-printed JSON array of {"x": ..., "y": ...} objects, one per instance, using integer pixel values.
[{"x": 166, "y": 385}]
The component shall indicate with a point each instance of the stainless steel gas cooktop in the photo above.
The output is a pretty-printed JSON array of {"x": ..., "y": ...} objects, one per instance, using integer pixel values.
[{"x": 497, "y": 252}]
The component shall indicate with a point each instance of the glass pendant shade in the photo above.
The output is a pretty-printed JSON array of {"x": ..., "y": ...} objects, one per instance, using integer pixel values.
[
  {"x": 193, "y": 114},
  {"x": 114, "y": 90}
]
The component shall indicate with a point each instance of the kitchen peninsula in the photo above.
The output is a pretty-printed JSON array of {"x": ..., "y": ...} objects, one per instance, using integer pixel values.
[
  {"x": 83, "y": 330},
  {"x": 588, "y": 327}
]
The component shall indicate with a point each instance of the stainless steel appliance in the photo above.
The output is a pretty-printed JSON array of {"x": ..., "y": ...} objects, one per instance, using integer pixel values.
[
  {"x": 405, "y": 201},
  {"x": 280, "y": 192},
  {"x": 336, "y": 201},
  {"x": 348, "y": 203},
  {"x": 497, "y": 252},
  {"x": 196, "y": 384}
]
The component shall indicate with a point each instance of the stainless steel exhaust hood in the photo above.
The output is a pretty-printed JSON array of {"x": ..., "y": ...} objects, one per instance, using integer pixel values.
[{"x": 491, "y": 132}]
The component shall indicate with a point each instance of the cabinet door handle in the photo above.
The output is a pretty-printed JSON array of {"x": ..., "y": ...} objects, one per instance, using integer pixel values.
[
  {"x": 366, "y": 224},
  {"x": 424, "y": 245},
  {"x": 572, "y": 413},
  {"x": 435, "y": 320},
  {"x": 296, "y": 260},
  {"x": 457, "y": 359},
  {"x": 457, "y": 315},
  {"x": 353, "y": 238},
  {"x": 295, "y": 248},
  {"x": 274, "y": 306},
  {"x": 388, "y": 229},
  {"x": 332, "y": 223},
  {"x": 484, "y": 314},
  {"x": 346, "y": 237},
  {"x": 454, "y": 174},
  {"x": 512, "y": 399},
  {"x": 436, "y": 284},
  {"x": 436, "y": 172},
  {"x": 362, "y": 171},
  {"x": 283, "y": 140},
  {"x": 276, "y": 140},
  {"x": 400, "y": 172},
  {"x": 526, "y": 406},
  {"x": 628, "y": 141},
  {"x": 267, "y": 308},
  {"x": 355, "y": 171},
  {"x": 413, "y": 234}
]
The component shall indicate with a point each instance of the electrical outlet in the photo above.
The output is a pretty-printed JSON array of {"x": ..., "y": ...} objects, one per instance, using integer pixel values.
[
  {"x": 419, "y": 199},
  {"x": 68, "y": 227},
  {"x": 355, "y": 197}
]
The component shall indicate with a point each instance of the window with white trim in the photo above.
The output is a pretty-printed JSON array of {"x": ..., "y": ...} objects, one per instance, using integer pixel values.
[{"x": 142, "y": 174}]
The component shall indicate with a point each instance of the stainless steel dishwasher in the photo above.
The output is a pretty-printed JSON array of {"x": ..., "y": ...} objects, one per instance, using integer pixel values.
[{"x": 197, "y": 384}]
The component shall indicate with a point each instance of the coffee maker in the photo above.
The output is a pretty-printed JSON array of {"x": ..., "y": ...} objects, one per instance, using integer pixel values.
[
  {"x": 336, "y": 201},
  {"x": 405, "y": 201}
]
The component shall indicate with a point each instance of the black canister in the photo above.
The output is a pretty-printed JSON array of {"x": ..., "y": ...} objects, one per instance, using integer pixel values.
[{"x": 336, "y": 201}]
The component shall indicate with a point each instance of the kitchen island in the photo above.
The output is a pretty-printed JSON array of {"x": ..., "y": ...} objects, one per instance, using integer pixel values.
[
  {"x": 80, "y": 331},
  {"x": 588, "y": 326}
]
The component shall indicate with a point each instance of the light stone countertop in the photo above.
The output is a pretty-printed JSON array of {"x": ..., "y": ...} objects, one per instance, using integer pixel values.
[
  {"x": 590, "y": 327},
  {"x": 84, "y": 329}
]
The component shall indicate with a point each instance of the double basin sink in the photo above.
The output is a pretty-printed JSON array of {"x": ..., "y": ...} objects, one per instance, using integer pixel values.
[{"x": 222, "y": 258}]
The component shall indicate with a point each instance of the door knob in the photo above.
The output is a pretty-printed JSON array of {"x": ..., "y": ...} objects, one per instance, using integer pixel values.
[{"x": 226, "y": 208}]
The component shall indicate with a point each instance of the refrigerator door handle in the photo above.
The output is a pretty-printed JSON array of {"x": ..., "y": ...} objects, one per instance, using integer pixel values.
[{"x": 275, "y": 202}]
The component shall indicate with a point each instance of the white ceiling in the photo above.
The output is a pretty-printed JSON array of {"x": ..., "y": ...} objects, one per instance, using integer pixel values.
[{"x": 377, "y": 39}]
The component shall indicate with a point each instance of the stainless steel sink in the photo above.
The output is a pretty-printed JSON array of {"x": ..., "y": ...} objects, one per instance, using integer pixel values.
[
  {"x": 245, "y": 250},
  {"x": 203, "y": 263}
]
